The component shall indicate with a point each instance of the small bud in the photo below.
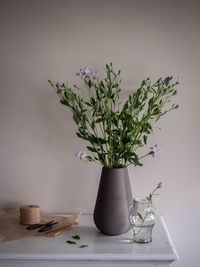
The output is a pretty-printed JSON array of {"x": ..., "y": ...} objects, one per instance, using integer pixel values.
[
  {"x": 160, "y": 185},
  {"x": 178, "y": 80}
]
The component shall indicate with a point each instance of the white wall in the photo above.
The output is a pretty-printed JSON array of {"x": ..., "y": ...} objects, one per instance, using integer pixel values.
[{"x": 41, "y": 40}]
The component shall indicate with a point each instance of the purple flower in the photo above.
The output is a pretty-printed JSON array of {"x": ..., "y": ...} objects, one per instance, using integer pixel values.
[
  {"x": 84, "y": 73},
  {"x": 88, "y": 74},
  {"x": 167, "y": 80},
  {"x": 94, "y": 77},
  {"x": 154, "y": 151},
  {"x": 81, "y": 155}
]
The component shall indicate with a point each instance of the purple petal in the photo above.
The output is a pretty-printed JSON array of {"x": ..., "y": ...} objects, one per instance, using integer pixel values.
[
  {"x": 88, "y": 74},
  {"x": 81, "y": 155},
  {"x": 154, "y": 151}
]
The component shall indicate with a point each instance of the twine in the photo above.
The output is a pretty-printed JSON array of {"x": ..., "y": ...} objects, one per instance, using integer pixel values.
[{"x": 30, "y": 214}]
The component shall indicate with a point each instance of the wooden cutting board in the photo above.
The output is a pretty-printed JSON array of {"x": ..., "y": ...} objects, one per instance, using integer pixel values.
[{"x": 11, "y": 229}]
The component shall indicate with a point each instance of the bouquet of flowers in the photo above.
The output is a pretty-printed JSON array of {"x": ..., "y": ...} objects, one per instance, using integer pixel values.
[{"x": 115, "y": 130}]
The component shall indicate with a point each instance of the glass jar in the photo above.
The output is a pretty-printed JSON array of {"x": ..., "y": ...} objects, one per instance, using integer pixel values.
[{"x": 142, "y": 219}]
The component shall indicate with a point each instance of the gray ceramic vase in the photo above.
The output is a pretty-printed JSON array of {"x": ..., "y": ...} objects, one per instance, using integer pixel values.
[{"x": 111, "y": 213}]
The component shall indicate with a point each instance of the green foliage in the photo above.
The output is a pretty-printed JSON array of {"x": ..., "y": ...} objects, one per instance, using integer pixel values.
[
  {"x": 83, "y": 246},
  {"x": 76, "y": 237},
  {"x": 140, "y": 216},
  {"x": 115, "y": 131},
  {"x": 70, "y": 242}
]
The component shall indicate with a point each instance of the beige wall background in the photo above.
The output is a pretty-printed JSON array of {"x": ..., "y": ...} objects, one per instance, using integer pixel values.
[{"x": 41, "y": 40}]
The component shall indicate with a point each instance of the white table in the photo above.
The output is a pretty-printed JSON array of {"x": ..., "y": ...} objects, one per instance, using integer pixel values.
[{"x": 102, "y": 250}]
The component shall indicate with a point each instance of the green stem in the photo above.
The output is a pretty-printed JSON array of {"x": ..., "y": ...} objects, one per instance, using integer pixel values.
[{"x": 96, "y": 135}]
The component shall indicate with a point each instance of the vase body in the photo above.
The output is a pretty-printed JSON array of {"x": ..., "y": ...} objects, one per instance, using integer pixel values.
[
  {"x": 142, "y": 219},
  {"x": 114, "y": 197}
]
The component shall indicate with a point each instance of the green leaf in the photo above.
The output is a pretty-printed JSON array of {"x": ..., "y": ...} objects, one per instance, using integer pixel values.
[
  {"x": 148, "y": 198},
  {"x": 79, "y": 135},
  {"x": 145, "y": 139},
  {"x": 102, "y": 84},
  {"x": 90, "y": 158},
  {"x": 99, "y": 120},
  {"x": 49, "y": 81},
  {"x": 88, "y": 104},
  {"x": 70, "y": 242},
  {"x": 83, "y": 246},
  {"x": 82, "y": 136},
  {"x": 64, "y": 102},
  {"x": 91, "y": 149},
  {"x": 92, "y": 101},
  {"x": 76, "y": 237},
  {"x": 93, "y": 124},
  {"x": 140, "y": 216},
  {"x": 75, "y": 118},
  {"x": 89, "y": 83}
]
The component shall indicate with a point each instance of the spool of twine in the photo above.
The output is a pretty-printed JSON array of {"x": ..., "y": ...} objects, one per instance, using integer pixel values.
[{"x": 30, "y": 214}]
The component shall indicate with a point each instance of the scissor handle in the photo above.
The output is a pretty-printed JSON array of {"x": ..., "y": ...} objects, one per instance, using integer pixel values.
[
  {"x": 48, "y": 223},
  {"x": 44, "y": 227},
  {"x": 34, "y": 226},
  {"x": 47, "y": 227}
]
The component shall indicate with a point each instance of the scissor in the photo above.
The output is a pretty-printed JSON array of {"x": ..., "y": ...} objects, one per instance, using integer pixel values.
[{"x": 44, "y": 227}]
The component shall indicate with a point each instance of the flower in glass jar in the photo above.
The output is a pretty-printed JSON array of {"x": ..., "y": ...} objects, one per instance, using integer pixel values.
[{"x": 153, "y": 193}]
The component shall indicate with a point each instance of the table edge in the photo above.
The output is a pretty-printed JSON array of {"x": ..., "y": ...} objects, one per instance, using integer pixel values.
[{"x": 92, "y": 257}]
